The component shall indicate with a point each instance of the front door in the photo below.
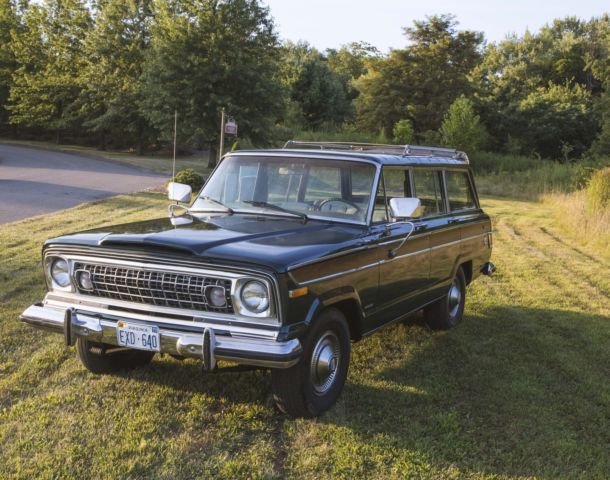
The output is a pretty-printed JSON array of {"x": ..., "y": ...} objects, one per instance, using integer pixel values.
[{"x": 404, "y": 265}]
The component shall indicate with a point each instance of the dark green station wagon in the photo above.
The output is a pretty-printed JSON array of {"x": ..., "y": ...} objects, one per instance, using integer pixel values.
[{"x": 283, "y": 259}]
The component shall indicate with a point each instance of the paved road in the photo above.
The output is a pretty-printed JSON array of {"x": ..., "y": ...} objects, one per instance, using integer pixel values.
[{"x": 35, "y": 181}]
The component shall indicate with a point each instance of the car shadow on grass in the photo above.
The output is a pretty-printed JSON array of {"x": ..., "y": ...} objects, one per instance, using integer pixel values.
[{"x": 511, "y": 391}]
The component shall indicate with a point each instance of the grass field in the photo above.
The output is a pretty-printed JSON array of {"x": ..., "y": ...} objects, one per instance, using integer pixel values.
[{"x": 521, "y": 389}]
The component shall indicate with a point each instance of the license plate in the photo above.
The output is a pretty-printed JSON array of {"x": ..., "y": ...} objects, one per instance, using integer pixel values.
[{"x": 134, "y": 335}]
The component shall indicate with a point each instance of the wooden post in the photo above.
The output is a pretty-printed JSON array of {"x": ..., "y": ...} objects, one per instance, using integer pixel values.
[{"x": 222, "y": 133}]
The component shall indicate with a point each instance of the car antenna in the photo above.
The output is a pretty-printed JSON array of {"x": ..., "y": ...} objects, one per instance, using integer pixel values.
[{"x": 174, "y": 159}]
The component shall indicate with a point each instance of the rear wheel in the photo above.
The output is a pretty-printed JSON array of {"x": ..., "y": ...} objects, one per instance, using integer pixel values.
[
  {"x": 104, "y": 358},
  {"x": 448, "y": 312},
  {"x": 314, "y": 384}
]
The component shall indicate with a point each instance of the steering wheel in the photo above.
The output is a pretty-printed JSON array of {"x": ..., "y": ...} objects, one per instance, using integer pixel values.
[{"x": 340, "y": 200}]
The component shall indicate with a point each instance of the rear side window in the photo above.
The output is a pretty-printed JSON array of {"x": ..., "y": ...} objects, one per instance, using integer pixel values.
[
  {"x": 459, "y": 191},
  {"x": 428, "y": 190}
]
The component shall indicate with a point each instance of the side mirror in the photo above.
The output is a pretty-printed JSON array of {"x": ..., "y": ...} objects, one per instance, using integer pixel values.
[
  {"x": 401, "y": 208},
  {"x": 179, "y": 192}
]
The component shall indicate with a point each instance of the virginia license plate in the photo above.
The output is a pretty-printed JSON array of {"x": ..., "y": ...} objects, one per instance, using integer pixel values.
[{"x": 135, "y": 335}]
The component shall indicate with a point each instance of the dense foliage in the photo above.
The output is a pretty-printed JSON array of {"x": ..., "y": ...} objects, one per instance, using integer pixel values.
[
  {"x": 189, "y": 177},
  {"x": 113, "y": 72}
]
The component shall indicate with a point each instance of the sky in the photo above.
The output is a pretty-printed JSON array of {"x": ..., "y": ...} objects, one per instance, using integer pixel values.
[{"x": 332, "y": 23}]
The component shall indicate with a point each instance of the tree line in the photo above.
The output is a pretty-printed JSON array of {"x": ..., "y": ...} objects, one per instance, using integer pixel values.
[{"x": 113, "y": 72}]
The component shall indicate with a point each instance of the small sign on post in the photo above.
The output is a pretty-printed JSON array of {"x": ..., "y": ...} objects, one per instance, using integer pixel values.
[{"x": 231, "y": 127}]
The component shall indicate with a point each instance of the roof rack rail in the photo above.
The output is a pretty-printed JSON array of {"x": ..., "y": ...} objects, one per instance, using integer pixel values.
[{"x": 404, "y": 150}]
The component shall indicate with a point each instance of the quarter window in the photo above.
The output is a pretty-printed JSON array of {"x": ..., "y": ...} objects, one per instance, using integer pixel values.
[
  {"x": 428, "y": 190},
  {"x": 459, "y": 191}
]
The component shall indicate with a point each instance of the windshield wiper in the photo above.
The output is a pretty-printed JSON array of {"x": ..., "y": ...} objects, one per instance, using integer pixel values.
[
  {"x": 217, "y": 202},
  {"x": 277, "y": 208}
]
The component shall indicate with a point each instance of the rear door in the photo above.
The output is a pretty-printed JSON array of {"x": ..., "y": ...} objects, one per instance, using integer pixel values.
[
  {"x": 437, "y": 222},
  {"x": 473, "y": 224}
]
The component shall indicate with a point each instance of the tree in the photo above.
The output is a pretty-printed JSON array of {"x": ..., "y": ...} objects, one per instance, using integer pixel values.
[
  {"x": 321, "y": 95},
  {"x": 461, "y": 127},
  {"x": 49, "y": 56},
  {"x": 319, "y": 86},
  {"x": 565, "y": 55},
  {"x": 403, "y": 132},
  {"x": 600, "y": 68},
  {"x": 555, "y": 117},
  {"x": 351, "y": 59},
  {"x": 205, "y": 55},
  {"x": 422, "y": 80},
  {"x": 111, "y": 78},
  {"x": 9, "y": 23}
]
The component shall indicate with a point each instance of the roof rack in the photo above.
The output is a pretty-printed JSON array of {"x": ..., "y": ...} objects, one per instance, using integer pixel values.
[{"x": 404, "y": 150}]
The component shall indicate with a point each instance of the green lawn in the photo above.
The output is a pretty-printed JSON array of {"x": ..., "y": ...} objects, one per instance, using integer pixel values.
[{"x": 520, "y": 389}]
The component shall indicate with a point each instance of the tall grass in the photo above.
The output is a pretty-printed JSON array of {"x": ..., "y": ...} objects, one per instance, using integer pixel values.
[
  {"x": 530, "y": 178},
  {"x": 578, "y": 222}
]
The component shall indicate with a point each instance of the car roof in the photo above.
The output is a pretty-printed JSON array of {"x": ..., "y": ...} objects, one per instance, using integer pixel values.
[{"x": 371, "y": 157}]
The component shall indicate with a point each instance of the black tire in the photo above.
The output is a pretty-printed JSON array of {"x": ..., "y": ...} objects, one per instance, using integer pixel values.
[
  {"x": 448, "y": 312},
  {"x": 301, "y": 391},
  {"x": 103, "y": 358}
]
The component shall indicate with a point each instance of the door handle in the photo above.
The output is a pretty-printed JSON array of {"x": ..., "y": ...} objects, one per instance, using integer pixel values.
[
  {"x": 453, "y": 221},
  {"x": 421, "y": 227}
]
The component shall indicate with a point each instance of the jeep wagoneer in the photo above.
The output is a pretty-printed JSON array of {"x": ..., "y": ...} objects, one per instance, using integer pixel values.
[{"x": 281, "y": 261}]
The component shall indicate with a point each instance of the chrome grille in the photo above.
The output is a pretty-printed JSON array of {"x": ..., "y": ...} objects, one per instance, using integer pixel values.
[{"x": 166, "y": 289}]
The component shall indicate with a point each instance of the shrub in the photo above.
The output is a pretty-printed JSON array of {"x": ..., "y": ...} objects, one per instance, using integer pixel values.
[
  {"x": 189, "y": 177},
  {"x": 598, "y": 191},
  {"x": 403, "y": 132},
  {"x": 461, "y": 127}
]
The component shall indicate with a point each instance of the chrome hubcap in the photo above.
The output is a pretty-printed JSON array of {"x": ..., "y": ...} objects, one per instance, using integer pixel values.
[
  {"x": 324, "y": 362},
  {"x": 454, "y": 299}
]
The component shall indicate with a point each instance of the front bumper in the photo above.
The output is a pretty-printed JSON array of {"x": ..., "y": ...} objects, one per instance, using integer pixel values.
[{"x": 206, "y": 344}]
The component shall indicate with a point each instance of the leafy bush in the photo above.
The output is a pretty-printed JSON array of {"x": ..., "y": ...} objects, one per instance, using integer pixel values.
[
  {"x": 598, "y": 191},
  {"x": 403, "y": 132},
  {"x": 462, "y": 127},
  {"x": 189, "y": 177}
]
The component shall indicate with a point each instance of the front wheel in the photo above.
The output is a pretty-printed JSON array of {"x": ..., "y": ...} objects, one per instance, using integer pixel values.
[
  {"x": 103, "y": 358},
  {"x": 314, "y": 384},
  {"x": 448, "y": 311}
]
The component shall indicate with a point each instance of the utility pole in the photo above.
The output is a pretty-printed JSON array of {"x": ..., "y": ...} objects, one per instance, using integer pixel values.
[{"x": 222, "y": 133}]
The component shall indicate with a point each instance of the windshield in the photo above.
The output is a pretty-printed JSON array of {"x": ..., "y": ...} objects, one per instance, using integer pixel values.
[{"x": 304, "y": 188}]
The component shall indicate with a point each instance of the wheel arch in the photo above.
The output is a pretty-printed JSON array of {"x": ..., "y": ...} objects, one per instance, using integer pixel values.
[{"x": 347, "y": 301}]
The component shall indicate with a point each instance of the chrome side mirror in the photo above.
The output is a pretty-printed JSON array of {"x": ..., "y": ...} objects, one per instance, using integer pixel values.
[
  {"x": 401, "y": 208},
  {"x": 179, "y": 192}
]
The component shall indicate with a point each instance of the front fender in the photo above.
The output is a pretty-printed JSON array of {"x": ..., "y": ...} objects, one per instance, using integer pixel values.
[{"x": 336, "y": 297}]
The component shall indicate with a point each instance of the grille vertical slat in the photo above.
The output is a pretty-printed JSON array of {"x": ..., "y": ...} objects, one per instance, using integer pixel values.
[{"x": 164, "y": 289}]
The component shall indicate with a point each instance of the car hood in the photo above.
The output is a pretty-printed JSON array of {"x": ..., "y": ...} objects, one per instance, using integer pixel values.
[{"x": 275, "y": 242}]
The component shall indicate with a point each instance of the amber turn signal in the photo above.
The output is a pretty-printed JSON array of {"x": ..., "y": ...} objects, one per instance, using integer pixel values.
[{"x": 299, "y": 292}]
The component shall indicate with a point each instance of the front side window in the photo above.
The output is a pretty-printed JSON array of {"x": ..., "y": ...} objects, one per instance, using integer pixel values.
[
  {"x": 324, "y": 189},
  {"x": 459, "y": 192},
  {"x": 428, "y": 189},
  {"x": 397, "y": 184}
]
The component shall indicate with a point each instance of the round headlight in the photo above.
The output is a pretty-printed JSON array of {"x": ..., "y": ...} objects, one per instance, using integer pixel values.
[
  {"x": 60, "y": 272},
  {"x": 255, "y": 296},
  {"x": 216, "y": 296}
]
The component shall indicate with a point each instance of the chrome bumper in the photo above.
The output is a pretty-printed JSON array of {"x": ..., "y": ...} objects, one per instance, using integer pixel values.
[{"x": 206, "y": 344}]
